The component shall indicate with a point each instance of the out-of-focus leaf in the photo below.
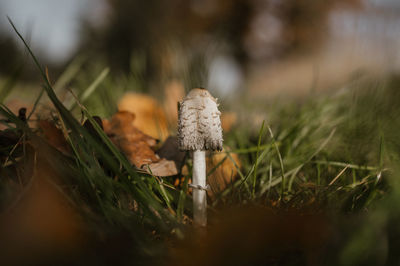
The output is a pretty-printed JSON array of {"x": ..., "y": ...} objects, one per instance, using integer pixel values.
[
  {"x": 54, "y": 136},
  {"x": 150, "y": 117},
  {"x": 134, "y": 143},
  {"x": 221, "y": 171}
]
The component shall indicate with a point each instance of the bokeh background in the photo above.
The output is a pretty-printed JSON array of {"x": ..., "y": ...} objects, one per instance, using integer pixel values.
[{"x": 264, "y": 47}]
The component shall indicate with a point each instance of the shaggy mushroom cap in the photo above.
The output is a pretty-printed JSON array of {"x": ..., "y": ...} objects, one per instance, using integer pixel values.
[{"x": 199, "y": 126}]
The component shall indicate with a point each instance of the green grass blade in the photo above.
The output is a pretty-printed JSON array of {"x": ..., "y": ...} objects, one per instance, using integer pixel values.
[
  {"x": 91, "y": 89},
  {"x": 256, "y": 162},
  {"x": 36, "y": 103},
  {"x": 280, "y": 162},
  {"x": 70, "y": 72},
  {"x": 84, "y": 139}
]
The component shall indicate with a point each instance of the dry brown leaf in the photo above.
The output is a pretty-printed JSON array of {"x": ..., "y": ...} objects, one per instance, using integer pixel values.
[
  {"x": 131, "y": 141},
  {"x": 136, "y": 145},
  {"x": 122, "y": 126},
  {"x": 150, "y": 117},
  {"x": 54, "y": 136},
  {"x": 170, "y": 151},
  {"x": 163, "y": 167},
  {"x": 224, "y": 175}
]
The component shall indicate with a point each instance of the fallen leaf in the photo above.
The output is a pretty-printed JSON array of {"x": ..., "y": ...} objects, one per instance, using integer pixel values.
[
  {"x": 131, "y": 141},
  {"x": 162, "y": 168},
  {"x": 170, "y": 151},
  {"x": 54, "y": 136},
  {"x": 224, "y": 174},
  {"x": 150, "y": 117}
]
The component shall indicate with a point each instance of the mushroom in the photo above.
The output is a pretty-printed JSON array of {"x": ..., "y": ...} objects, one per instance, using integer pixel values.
[{"x": 199, "y": 129}]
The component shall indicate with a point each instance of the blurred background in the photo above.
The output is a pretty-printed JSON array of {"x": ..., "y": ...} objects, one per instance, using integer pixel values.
[{"x": 265, "y": 47}]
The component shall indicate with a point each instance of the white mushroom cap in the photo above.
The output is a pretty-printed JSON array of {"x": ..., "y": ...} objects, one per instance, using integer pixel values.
[{"x": 199, "y": 126}]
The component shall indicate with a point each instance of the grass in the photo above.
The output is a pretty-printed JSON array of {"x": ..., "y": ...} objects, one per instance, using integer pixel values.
[{"x": 335, "y": 156}]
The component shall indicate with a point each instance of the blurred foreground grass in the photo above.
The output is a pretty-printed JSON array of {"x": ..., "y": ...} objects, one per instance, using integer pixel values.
[{"x": 318, "y": 184}]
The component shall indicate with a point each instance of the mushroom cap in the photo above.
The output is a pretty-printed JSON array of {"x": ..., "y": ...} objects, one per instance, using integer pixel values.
[{"x": 199, "y": 125}]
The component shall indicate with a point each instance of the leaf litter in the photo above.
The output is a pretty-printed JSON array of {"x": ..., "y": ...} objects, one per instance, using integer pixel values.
[{"x": 142, "y": 150}]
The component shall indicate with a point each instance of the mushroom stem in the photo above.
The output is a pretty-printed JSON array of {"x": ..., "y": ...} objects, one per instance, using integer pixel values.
[{"x": 199, "y": 193}]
